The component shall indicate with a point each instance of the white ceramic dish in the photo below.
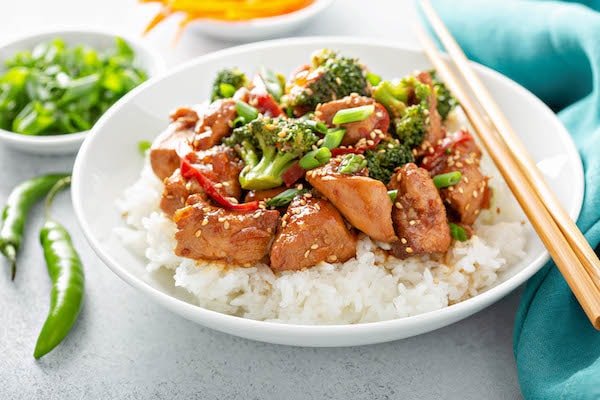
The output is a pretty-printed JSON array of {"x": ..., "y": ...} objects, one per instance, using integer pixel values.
[
  {"x": 147, "y": 59},
  {"x": 260, "y": 28},
  {"x": 98, "y": 180}
]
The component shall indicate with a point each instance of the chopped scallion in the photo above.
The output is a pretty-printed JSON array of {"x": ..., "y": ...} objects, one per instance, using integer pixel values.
[
  {"x": 447, "y": 179},
  {"x": 354, "y": 114},
  {"x": 458, "y": 232}
]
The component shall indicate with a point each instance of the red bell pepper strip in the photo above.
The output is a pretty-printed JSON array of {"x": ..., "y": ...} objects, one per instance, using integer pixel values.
[
  {"x": 189, "y": 172},
  {"x": 292, "y": 174},
  {"x": 430, "y": 161}
]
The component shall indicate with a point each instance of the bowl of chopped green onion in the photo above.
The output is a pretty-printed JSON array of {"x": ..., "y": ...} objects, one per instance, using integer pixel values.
[{"x": 54, "y": 86}]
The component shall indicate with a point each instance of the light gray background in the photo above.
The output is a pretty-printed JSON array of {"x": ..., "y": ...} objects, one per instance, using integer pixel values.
[{"x": 126, "y": 347}]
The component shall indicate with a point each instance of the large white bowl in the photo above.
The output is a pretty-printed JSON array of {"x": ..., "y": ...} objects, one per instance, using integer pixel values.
[
  {"x": 148, "y": 60},
  {"x": 260, "y": 28},
  {"x": 109, "y": 162}
]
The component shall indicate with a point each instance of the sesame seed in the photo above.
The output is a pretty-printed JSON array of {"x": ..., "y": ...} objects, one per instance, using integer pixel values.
[
  {"x": 332, "y": 258},
  {"x": 320, "y": 142},
  {"x": 481, "y": 190},
  {"x": 302, "y": 202},
  {"x": 431, "y": 150},
  {"x": 467, "y": 206},
  {"x": 308, "y": 195},
  {"x": 476, "y": 212},
  {"x": 283, "y": 224},
  {"x": 412, "y": 222},
  {"x": 317, "y": 206},
  {"x": 314, "y": 246},
  {"x": 270, "y": 230},
  {"x": 221, "y": 219},
  {"x": 205, "y": 222},
  {"x": 226, "y": 225},
  {"x": 403, "y": 240},
  {"x": 218, "y": 185},
  {"x": 300, "y": 186},
  {"x": 466, "y": 179},
  {"x": 338, "y": 80},
  {"x": 170, "y": 196},
  {"x": 398, "y": 205},
  {"x": 198, "y": 233},
  {"x": 379, "y": 114},
  {"x": 460, "y": 190},
  {"x": 409, "y": 250},
  {"x": 370, "y": 142},
  {"x": 282, "y": 134},
  {"x": 474, "y": 194},
  {"x": 373, "y": 135},
  {"x": 459, "y": 164},
  {"x": 306, "y": 253}
]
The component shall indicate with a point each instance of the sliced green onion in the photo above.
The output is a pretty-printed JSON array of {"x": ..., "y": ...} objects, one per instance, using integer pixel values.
[
  {"x": 227, "y": 90},
  {"x": 246, "y": 111},
  {"x": 393, "y": 194},
  {"x": 352, "y": 163},
  {"x": 315, "y": 158},
  {"x": 355, "y": 114},
  {"x": 284, "y": 197},
  {"x": 317, "y": 126},
  {"x": 458, "y": 232},
  {"x": 373, "y": 78},
  {"x": 333, "y": 138},
  {"x": 238, "y": 121},
  {"x": 272, "y": 82},
  {"x": 144, "y": 146},
  {"x": 447, "y": 179}
]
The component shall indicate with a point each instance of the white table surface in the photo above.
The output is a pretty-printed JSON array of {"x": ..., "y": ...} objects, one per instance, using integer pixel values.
[{"x": 126, "y": 347}]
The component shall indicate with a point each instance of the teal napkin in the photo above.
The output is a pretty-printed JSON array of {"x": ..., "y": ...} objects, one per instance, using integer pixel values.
[{"x": 553, "y": 49}]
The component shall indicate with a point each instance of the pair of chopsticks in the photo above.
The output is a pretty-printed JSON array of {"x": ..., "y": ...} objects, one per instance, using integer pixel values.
[{"x": 571, "y": 252}]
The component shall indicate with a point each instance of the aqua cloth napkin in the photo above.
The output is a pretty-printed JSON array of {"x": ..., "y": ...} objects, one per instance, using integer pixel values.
[{"x": 553, "y": 49}]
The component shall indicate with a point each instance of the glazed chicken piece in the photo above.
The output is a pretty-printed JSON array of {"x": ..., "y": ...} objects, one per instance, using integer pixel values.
[
  {"x": 220, "y": 164},
  {"x": 363, "y": 201},
  {"x": 467, "y": 198},
  {"x": 215, "y": 124},
  {"x": 355, "y": 131},
  {"x": 164, "y": 153},
  {"x": 419, "y": 215},
  {"x": 435, "y": 131},
  {"x": 311, "y": 231},
  {"x": 206, "y": 232}
]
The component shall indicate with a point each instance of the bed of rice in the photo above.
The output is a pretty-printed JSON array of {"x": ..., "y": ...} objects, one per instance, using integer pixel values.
[{"x": 370, "y": 287}]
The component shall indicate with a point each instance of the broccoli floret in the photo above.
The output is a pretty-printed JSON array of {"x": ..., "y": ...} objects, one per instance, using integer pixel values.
[
  {"x": 407, "y": 101},
  {"x": 383, "y": 160},
  {"x": 227, "y": 82},
  {"x": 269, "y": 146},
  {"x": 330, "y": 77},
  {"x": 445, "y": 101},
  {"x": 411, "y": 127}
]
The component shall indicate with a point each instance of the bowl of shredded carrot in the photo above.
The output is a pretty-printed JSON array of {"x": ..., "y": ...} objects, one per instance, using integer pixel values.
[{"x": 241, "y": 20}]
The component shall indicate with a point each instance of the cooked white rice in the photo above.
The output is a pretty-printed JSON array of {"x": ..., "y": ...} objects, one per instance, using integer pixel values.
[{"x": 370, "y": 287}]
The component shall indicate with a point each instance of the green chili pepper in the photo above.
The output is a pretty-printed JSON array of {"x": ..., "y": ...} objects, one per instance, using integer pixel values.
[
  {"x": 66, "y": 273},
  {"x": 14, "y": 215}
]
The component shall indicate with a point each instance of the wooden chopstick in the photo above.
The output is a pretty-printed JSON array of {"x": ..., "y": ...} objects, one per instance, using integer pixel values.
[
  {"x": 577, "y": 277},
  {"x": 567, "y": 226}
]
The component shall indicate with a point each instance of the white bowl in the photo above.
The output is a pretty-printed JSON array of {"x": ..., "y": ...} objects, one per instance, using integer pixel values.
[
  {"x": 259, "y": 28},
  {"x": 98, "y": 180},
  {"x": 145, "y": 58}
]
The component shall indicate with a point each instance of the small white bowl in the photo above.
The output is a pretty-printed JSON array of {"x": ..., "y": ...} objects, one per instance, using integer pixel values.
[
  {"x": 145, "y": 58},
  {"x": 259, "y": 28}
]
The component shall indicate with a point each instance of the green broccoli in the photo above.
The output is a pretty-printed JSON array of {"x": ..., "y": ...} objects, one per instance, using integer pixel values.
[
  {"x": 386, "y": 157},
  {"x": 407, "y": 101},
  {"x": 227, "y": 82},
  {"x": 332, "y": 77},
  {"x": 269, "y": 146},
  {"x": 445, "y": 101}
]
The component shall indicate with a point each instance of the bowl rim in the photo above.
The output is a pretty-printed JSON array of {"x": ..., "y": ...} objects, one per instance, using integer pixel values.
[
  {"x": 306, "y": 12},
  {"x": 224, "y": 322},
  {"x": 158, "y": 64}
]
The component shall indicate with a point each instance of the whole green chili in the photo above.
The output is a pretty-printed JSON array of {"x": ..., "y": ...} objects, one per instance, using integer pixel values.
[
  {"x": 66, "y": 273},
  {"x": 15, "y": 212}
]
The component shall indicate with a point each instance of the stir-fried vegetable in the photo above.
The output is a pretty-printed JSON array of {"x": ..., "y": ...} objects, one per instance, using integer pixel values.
[
  {"x": 57, "y": 89},
  {"x": 268, "y": 147},
  {"x": 448, "y": 179},
  {"x": 333, "y": 138},
  {"x": 354, "y": 114},
  {"x": 315, "y": 158},
  {"x": 385, "y": 158},
  {"x": 332, "y": 77},
  {"x": 227, "y": 82},
  {"x": 458, "y": 232},
  {"x": 393, "y": 195},
  {"x": 352, "y": 163},
  {"x": 284, "y": 198},
  {"x": 445, "y": 101}
]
